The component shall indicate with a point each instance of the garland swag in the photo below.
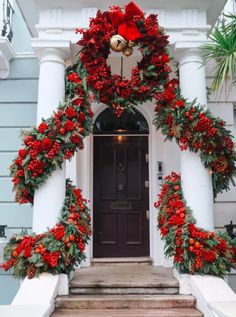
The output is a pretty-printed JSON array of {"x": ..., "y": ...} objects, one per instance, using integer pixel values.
[{"x": 58, "y": 137}]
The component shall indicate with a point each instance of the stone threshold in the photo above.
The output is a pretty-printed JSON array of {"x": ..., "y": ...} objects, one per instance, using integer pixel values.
[{"x": 123, "y": 260}]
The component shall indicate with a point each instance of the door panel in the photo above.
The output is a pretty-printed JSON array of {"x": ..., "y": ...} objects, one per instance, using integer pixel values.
[
  {"x": 133, "y": 163},
  {"x": 109, "y": 233},
  {"x": 133, "y": 219},
  {"x": 108, "y": 157},
  {"x": 120, "y": 196}
]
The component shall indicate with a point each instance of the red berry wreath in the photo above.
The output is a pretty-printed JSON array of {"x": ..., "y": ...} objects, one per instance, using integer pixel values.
[{"x": 121, "y": 31}]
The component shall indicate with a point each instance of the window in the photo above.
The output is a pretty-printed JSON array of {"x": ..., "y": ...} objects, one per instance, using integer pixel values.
[{"x": 108, "y": 123}]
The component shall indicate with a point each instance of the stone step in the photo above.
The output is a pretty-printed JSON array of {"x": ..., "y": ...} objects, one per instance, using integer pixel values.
[
  {"x": 174, "y": 312},
  {"x": 123, "y": 290},
  {"x": 125, "y": 302},
  {"x": 131, "y": 276},
  {"x": 145, "y": 260},
  {"x": 121, "y": 279},
  {"x": 168, "y": 282}
]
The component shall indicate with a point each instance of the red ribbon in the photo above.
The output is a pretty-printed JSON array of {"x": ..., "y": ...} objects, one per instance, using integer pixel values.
[{"x": 124, "y": 21}]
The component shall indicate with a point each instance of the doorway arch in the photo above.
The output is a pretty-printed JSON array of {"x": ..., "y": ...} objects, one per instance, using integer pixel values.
[
  {"x": 120, "y": 185},
  {"x": 129, "y": 123}
]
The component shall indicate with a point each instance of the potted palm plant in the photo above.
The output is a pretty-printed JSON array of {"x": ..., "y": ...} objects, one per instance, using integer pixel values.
[{"x": 222, "y": 50}]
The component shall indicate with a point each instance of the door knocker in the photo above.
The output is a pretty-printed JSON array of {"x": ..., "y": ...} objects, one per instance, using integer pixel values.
[{"x": 120, "y": 168}]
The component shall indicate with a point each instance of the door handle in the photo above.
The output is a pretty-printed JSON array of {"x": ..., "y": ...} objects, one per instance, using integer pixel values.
[
  {"x": 121, "y": 187},
  {"x": 148, "y": 214}
]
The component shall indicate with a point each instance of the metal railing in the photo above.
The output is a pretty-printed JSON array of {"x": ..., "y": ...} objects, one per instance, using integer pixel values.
[
  {"x": 231, "y": 229},
  {"x": 2, "y": 231},
  {"x": 7, "y": 14}
]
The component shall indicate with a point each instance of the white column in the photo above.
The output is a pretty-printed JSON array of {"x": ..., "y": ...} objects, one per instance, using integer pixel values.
[
  {"x": 48, "y": 199},
  {"x": 156, "y": 244},
  {"x": 71, "y": 167},
  {"x": 84, "y": 181},
  {"x": 196, "y": 179}
]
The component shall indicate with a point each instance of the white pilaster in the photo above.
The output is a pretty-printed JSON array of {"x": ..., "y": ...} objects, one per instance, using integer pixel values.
[
  {"x": 83, "y": 171},
  {"x": 48, "y": 199},
  {"x": 196, "y": 179},
  {"x": 156, "y": 244}
]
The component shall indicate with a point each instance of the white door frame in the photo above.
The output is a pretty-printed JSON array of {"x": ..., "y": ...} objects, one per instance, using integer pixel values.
[{"x": 84, "y": 179}]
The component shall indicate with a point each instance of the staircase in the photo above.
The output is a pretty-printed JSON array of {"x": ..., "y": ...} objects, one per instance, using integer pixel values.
[{"x": 125, "y": 290}]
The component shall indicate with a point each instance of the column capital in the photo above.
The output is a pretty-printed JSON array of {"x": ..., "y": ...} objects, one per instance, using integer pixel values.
[
  {"x": 189, "y": 51},
  {"x": 6, "y": 54},
  {"x": 51, "y": 50}
]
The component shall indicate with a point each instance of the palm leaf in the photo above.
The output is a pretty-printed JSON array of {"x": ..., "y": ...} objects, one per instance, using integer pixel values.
[{"x": 222, "y": 49}]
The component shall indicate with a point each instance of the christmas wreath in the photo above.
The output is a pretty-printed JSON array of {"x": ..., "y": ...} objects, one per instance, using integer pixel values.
[
  {"x": 58, "y": 137},
  {"x": 122, "y": 32}
]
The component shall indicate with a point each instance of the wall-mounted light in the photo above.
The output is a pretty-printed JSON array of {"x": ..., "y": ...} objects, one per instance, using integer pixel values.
[
  {"x": 2, "y": 231},
  {"x": 160, "y": 172},
  {"x": 120, "y": 138}
]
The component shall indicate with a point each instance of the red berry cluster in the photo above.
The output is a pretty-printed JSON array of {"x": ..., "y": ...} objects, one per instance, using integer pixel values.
[
  {"x": 36, "y": 167},
  {"x": 73, "y": 77},
  {"x": 118, "y": 110},
  {"x": 54, "y": 150},
  {"x": 204, "y": 125}
]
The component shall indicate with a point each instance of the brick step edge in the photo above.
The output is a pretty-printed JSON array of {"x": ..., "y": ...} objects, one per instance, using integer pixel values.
[
  {"x": 121, "y": 261},
  {"x": 125, "y": 302},
  {"x": 176, "y": 312},
  {"x": 123, "y": 290}
]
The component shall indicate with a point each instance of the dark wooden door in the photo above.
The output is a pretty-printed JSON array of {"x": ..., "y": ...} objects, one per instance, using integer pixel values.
[{"x": 121, "y": 196}]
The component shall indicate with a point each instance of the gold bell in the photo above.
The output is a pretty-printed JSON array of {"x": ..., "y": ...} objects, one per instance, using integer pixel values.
[
  {"x": 118, "y": 43},
  {"x": 128, "y": 51},
  {"x": 131, "y": 44}
]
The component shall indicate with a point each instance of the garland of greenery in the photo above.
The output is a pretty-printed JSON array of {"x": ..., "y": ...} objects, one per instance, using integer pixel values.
[
  {"x": 45, "y": 148},
  {"x": 194, "y": 128},
  {"x": 194, "y": 250},
  {"x": 58, "y": 137},
  {"x": 57, "y": 250},
  {"x": 54, "y": 140}
]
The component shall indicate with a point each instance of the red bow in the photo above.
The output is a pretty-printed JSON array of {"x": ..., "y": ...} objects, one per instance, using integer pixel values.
[{"x": 124, "y": 21}]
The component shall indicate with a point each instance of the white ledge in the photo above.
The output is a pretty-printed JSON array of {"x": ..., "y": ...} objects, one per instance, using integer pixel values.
[
  {"x": 25, "y": 310},
  {"x": 224, "y": 308},
  {"x": 214, "y": 296},
  {"x": 36, "y": 296}
]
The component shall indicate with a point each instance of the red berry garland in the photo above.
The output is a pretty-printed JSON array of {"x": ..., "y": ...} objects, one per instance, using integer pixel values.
[
  {"x": 57, "y": 250},
  {"x": 194, "y": 250},
  {"x": 58, "y": 137}
]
